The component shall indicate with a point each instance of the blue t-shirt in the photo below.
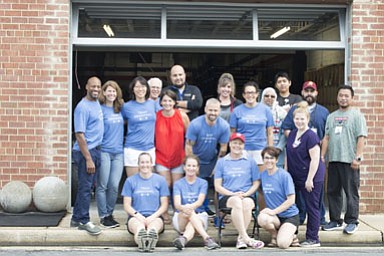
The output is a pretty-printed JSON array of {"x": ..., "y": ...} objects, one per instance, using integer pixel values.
[
  {"x": 207, "y": 137},
  {"x": 237, "y": 175},
  {"x": 252, "y": 123},
  {"x": 113, "y": 131},
  {"x": 298, "y": 158},
  {"x": 141, "y": 119},
  {"x": 145, "y": 193},
  {"x": 189, "y": 193},
  {"x": 276, "y": 189},
  {"x": 317, "y": 121},
  {"x": 88, "y": 119}
]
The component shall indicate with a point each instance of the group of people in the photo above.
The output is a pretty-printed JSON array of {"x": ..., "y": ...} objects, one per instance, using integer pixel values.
[{"x": 171, "y": 154}]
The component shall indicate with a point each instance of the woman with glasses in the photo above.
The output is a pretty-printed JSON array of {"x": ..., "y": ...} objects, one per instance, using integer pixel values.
[
  {"x": 269, "y": 98},
  {"x": 254, "y": 121},
  {"x": 140, "y": 114},
  {"x": 281, "y": 216}
]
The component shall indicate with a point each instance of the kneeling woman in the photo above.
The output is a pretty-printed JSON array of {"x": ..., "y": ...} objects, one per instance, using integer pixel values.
[
  {"x": 236, "y": 181},
  {"x": 145, "y": 200},
  {"x": 188, "y": 196},
  {"x": 281, "y": 216}
]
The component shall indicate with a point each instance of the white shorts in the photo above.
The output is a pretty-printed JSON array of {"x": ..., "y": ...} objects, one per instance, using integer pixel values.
[
  {"x": 131, "y": 156},
  {"x": 256, "y": 155},
  {"x": 161, "y": 168},
  {"x": 203, "y": 216}
]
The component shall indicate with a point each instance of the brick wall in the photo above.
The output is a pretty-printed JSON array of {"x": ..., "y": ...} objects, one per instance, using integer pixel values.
[
  {"x": 367, "y": 76},
  {"x": 34, "y": 82}
]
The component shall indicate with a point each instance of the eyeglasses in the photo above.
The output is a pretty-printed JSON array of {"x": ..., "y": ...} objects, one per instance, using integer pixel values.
[{"x": 269, "y": 96}]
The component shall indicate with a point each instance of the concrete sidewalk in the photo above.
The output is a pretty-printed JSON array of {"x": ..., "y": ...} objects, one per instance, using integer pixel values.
[{"x": 370, "y": 233}]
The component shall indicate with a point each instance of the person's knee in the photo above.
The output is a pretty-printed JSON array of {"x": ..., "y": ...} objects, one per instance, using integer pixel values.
[
  {"x": 283, "y": 243},
  {"x": 235, "y": 202},
  {"x": 262, "y": 219}
]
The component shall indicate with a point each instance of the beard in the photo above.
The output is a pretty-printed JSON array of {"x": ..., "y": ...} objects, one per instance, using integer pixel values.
[{"x": 310, "y": 99}]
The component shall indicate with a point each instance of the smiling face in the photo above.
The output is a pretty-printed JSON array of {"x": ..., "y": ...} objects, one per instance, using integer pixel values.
[
  {"x": 140, "y": 91},
  {"x": 167, "y": 103},
  {"x": 110, "y": 94},
  {"x": 301, "y": 120},
  {"x": 212, "y": 111},
  {"x": 93, "y": 88},
  {"x": 269, "y": 98},
  {"x": 177, "y": 76},
  {"x": 237, "y": 147},
  {"x": 145, "y": 164},
  {"x": 154, "y": 88},
  {"x": 269, "y": 161},
  {"x": 225, "y": 90},
  {"x": 250, "y": 95},
  {"x": 191, "y": 167},
  {"x": 309, "y": 95}
]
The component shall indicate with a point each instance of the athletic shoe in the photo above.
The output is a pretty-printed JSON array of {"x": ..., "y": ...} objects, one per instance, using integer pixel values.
[
  {"x": 141, "y": 239},
  {"x": 180, "y": 242},
  {"x": 240, "y": 244},
  {"x": 74, "y": 224},
  {"x": 108, "y": 222},
  {"x": 216, "y": 223},
  {"x": 91, "y": 228},
  {"x": 210, "y": 213},
  {"x": 310, "y": 243},
  {"x": 153, "y": 237},
  {"x": 210, "y": 244},
  {"x": 117, "y": 224},
  {"x": 255, "y": 244},
  {"x": 332, "y": 225},
  {"x": 350, "y": 228}
]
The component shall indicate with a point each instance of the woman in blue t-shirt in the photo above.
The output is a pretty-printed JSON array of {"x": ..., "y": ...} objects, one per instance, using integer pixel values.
[
  {"x": 145, "y": 200},
  {"x": 188, "y": 196},
  {"x": 281, "y": 216},
  {"x": 306, "y": 169}
]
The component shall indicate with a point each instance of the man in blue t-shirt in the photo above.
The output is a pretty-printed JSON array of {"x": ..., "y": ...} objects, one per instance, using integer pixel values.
[
  {"x": 204, "y": 134},
  {"x": 318, "y": 118},
  {"x": 89, "y": 129}
]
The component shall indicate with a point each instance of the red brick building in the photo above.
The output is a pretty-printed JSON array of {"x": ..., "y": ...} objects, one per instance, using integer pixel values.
[{"x": 37, "y": 77}]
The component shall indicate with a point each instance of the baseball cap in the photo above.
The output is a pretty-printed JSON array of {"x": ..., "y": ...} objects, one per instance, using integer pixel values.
[
  {"x": 237, "y": 135},
  {"x": 310, "y": 84}
]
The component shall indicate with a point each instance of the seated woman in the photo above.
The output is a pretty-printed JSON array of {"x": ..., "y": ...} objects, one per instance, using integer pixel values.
[
  {"x": 145, "y": 200},
  {"x": 281, "y": 216},
  {"x": 236, "y": 181},
  {"x": 188, "y": 197}
]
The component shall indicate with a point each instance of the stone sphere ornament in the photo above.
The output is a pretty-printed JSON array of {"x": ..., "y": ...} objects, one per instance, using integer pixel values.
[
  {"x": 16, "y": 197},
  {"x": 50, "y": 194}
]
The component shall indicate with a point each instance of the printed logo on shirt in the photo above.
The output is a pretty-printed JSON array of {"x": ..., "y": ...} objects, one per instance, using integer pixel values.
[
  {"x": 268, "y": 189},
  {"x": 341, "y": 121}
]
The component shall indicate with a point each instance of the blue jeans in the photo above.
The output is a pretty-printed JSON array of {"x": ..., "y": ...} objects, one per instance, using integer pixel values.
[
  {"x": 108, "y": 180},
  {"x": 85, "y": 182}
]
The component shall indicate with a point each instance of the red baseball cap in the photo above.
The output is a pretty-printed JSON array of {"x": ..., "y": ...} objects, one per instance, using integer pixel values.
[
  {"x": 237, "y": 135},
  {"x": 310, "y": 84}
]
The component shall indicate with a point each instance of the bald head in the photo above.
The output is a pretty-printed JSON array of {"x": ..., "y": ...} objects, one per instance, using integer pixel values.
[
  {"x": 177, "y": 76},
  {"x": 93, "y": 88}
]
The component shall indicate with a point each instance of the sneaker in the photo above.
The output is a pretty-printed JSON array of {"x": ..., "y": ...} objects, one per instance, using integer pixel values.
[
  {"x": 210, "y": 213},
  {"x": 180, "y": 242},
  {"x": 141, "y": 240},
  {"x": 310, "y": 243},
  {"x": 210, "y": 244},
  {"x": 350, "y": 228},
  {"x": 108, "y": 222},
  {"x": 117, "y": 224},
  {"x": 332, "y": 225},
  {"x": 153, "y": 237},
  {"x": 74, "y": 224},
  {"x": 255, "y": 244},
  {"x": 216, "y": 223},
  {"x": 240, "y": 244},
  {"x": 91, "y": 228}
]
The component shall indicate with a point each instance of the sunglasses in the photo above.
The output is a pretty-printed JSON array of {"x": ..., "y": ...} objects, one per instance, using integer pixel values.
[{"x": 270, "y": 96}]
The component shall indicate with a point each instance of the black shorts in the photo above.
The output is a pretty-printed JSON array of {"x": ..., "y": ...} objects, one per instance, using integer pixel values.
[
  {"x": 224, "y": 199},
  {"x": 294, "y": 220}
]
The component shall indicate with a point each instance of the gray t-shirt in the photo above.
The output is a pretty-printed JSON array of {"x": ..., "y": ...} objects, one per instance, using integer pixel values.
[{"x": 343, "y": 129}]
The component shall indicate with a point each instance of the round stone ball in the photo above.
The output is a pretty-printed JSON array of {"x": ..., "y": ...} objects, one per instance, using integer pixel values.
[
  {"x": 50, "y": 194},
  {"x": 16, "y": 197}
]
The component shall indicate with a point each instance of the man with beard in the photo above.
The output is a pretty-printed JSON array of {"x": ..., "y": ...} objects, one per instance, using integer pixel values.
[
  {"x": 189, "y": 97},
  {"x": 318, "y": 118},
  {"x": 204, "y": 134},
  {"x": 345, "y": 133},
  {"x": 89, "y": 130}
]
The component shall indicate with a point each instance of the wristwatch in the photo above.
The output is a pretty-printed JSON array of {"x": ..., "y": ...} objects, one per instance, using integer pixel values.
[{"x": 358, "y": 158}]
